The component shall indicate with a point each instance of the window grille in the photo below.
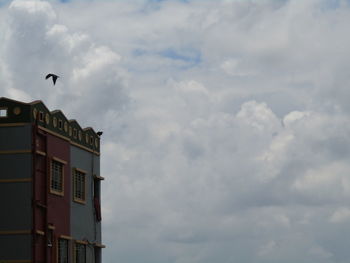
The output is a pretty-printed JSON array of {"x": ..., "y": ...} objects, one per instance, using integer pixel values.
[
  {"x": 79, "y": 186},
  {"x": 57, "y": 176},
  {"x": 41, "y": 116},
  {"x": 80, "y": 253},
  {"x": 62, "y": 251},
  {"x": 3, "y": 112}
]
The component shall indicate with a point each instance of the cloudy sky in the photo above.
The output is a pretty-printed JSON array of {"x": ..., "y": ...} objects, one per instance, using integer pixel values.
[{"x": 226, "y": 123}]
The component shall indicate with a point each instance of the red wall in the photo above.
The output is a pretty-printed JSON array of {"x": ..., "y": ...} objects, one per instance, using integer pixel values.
[{"x": 50, "y": 208}]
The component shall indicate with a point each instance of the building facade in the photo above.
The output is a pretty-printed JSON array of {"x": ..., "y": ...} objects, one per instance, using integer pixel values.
[{"x": 49, "y": 187}]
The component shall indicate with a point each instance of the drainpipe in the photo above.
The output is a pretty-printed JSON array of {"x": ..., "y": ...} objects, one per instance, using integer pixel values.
[
  {"x": 47, "y": 248},
  {"x": 93, "y": 199},
  {"x": 34, "y": 134}
]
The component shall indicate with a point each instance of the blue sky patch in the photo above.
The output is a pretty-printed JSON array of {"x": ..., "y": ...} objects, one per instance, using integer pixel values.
[{"x": 190, "y": 56}]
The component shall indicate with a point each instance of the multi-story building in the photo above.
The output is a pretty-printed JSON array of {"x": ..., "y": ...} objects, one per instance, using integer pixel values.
[{"x": 49, "y": 186}]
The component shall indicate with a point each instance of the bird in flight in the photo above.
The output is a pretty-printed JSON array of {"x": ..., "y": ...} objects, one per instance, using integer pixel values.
[
  {"x": 54, "y": 77},
  {"x": 99, "y": 133}
]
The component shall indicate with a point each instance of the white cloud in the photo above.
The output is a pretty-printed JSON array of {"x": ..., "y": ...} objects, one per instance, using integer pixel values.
[
  {"x": 293, "y": 116},
  {"x": 225, "y": 123},
  {"x": 340, "y": 215},
  {"x": 259, "y": 117},
  {"x": 51, "y": 47}
]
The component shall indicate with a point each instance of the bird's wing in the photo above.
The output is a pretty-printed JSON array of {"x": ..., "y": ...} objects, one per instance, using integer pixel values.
[{"x": 48, "y": 75}]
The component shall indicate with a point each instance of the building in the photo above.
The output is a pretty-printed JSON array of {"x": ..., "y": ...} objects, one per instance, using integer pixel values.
[{"x": 49, "y": 186}]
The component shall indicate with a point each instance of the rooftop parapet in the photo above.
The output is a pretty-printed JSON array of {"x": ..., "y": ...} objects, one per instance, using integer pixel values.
[{"x": 14, "y": 112}]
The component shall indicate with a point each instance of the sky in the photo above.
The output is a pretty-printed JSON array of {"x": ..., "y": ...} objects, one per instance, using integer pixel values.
[{"x": 226, "y": 123}]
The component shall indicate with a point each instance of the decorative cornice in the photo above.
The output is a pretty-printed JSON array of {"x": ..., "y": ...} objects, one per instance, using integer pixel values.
[{"x": 54, "y": 122}]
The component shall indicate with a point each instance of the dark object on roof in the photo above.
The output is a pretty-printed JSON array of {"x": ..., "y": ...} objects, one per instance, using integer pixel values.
[
  {"x": 99, "y": 133},
  {"x": 54, "y": 77}
]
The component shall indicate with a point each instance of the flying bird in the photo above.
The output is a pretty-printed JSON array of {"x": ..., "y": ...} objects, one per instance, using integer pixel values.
[
  {"x": 54, "y": 77},
  {"x": 99, "y": 133}
]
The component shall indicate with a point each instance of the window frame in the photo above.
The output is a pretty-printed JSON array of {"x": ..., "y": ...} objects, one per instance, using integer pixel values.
[
  {"x": 60, "y": 124},
  {"x": 58, "y": 248},
  {"x": 6, "y": 111},
  {"x": 84, "y": 173},
  {"x": 41, "y": 116},
  {"x": 76, "y": 244},
  {"x": 63, "y": 163}
]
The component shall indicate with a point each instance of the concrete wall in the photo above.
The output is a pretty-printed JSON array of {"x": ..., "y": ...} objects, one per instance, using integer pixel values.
[
  {"x": 16, "y": 138},
  {"x": 15, "y": 197},
  {"x": 16, "y": 209},
  {"x": 15, "y": 166},
  {"x": 15, "y": 247},
  {"x": 83, "y": 220}
]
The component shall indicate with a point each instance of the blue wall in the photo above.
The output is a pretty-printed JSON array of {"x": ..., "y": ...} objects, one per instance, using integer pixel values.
[{"x": 83, "y": 221}]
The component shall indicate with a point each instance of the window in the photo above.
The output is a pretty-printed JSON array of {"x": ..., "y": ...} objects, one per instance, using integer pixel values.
[
  {"x": 79, "y": 253},
  {"x": 60, "y": 124},
  {"x": 79, "y": 186},
  {"x": 41, "y": 116},
  {"x": 63, "y": 250},
  {"x": 75, "y": 132},
  {"x": 3, "y": 112},
  {"x": 56, "y": 184}
]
